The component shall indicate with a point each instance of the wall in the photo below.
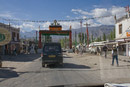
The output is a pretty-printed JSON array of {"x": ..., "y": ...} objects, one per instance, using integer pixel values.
[{"x": 125, "y": 25}]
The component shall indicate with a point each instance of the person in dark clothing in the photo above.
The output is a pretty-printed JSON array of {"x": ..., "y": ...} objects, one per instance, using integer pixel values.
[
  {"x": 98, "y": 51},
  {"x": 105, "y": 50},
  {"x": 114, "y": 56}
]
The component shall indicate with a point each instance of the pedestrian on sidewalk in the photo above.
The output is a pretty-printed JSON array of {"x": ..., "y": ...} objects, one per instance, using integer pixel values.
[
  {"x": 81, "y": 49},
  {"x": 105, "y": 50},
  {"x": 98, "y": 51},
  {"x": 77, "y": 51},
  {"x": 114, "y": 55}
]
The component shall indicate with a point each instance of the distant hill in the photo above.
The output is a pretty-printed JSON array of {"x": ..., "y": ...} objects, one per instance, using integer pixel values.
[
  {"x": 31, "y": 34},
  {"x": 96, "y": 31}
]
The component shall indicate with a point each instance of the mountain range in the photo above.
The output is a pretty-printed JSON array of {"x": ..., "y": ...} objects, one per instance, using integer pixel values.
[{"x": 95, "y": 31}]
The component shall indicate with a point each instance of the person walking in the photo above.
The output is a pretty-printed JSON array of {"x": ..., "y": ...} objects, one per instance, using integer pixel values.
[
  {"x": 77, "y": 51},
  {"x": 105, "y": 50},
  {"x": 81, "y": 49},
  {"x": 98, "y": 51},
  {"x": 35, "y": 49},
  {"x": 114, "y": 55}
]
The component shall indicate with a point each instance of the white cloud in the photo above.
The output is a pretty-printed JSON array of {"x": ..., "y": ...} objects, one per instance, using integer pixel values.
[
  {"x": 97, "y": 6},
  {"x": 96, "y": 12},
  {"x": 26, "y": 26},
  {"x": 6, "y": 14},
  {"x": 118, "y": 11},
  {"x": 99, "y": 12},
  {"x": 68, "y": 16},
  {"x": 45, "y": 26},
  {"x": 106, "y": 21},
  {"x": 80, "y": 12},
  {"x": 66, "y": 25},
  {"x": 91, "y": 23}
]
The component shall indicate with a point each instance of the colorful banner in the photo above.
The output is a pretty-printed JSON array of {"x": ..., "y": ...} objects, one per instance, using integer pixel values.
[{"x": 5, "y": 36}]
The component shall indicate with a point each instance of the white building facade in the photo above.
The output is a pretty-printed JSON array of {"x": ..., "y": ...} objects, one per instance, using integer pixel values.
[{"x": 122, "y": 29}]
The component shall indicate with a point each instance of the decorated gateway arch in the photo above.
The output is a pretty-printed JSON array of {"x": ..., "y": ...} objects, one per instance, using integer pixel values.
[{"x": 55, "y": 29}]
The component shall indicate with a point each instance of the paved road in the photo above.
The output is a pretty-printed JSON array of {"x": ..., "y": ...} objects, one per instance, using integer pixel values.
[{"x": 74, "y": 73}]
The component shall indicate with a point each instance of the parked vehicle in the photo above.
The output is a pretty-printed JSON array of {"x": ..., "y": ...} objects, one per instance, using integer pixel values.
[
  {"x": 93, "y": 47},
  {"x": 52, "y": 54}
]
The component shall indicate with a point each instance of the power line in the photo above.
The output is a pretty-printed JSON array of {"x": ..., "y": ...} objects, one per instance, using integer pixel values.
[{"x": 43, "y": 21}]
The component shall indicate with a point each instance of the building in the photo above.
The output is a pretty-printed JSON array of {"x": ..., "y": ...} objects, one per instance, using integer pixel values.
[
  {"x": 14, "y": 43},
  {"x": 122, "y": 29},
  {"x": 24, "y": 44}
]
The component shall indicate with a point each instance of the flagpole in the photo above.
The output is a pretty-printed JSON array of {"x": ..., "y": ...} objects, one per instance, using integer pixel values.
[{"x": 87, "y": 33}]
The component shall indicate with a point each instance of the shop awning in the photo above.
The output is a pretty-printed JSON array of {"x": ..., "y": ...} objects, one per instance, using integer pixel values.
[
  {"x": 125, "y": 43},
  {"x": 111, "y": 43}
]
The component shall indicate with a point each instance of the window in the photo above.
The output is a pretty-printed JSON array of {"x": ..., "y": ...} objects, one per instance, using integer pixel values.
[
  {"x": 120, "y": 29},
  {"x": 52, "y": 49}
]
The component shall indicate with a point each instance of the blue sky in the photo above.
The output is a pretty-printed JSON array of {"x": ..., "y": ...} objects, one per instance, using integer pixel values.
[{"x": 60, "y": 9}]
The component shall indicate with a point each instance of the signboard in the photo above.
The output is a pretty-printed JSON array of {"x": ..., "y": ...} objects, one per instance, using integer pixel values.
[
  {"x": 5, "y": 36},
  {"x": 128, "y": 32},
  {"x": 55, "y": 28}
]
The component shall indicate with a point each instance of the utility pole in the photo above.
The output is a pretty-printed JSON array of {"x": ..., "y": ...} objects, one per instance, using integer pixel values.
[
  {"x": 36, "y": 37},
  {"x": 39, "y": 27},
  {"x": 127, "y": 11},
  {"x": 75, "y": 38},
  {"x": 81, "y": 29},
  {"x": 87, "y": 33}
]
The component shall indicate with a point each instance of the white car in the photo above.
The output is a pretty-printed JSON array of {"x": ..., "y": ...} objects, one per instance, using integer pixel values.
[{"x": 93, "y": 49}]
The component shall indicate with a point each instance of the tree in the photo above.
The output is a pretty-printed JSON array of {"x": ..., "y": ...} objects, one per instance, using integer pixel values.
[
  {"x": 114, "y": 33},
  {"x": 89, "y": 41},
  {"x": 48, "y": 38},
  {"x": 92, "y": 39},
  {"x": 111, "y": 36},
  {"x": 62, "y": 43},
  {"x": 86, "y": 38},
  {"x": 82, "y": 40},
  {"x": 79, "y": 35},
  {"x": 104, "y": 37},
  {"x": 98, "y": 39}
]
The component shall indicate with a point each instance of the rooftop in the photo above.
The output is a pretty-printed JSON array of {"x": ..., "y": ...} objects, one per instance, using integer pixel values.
[
  {"x": 8, "y": 26},
  {"x": 122, "y": 18}
]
